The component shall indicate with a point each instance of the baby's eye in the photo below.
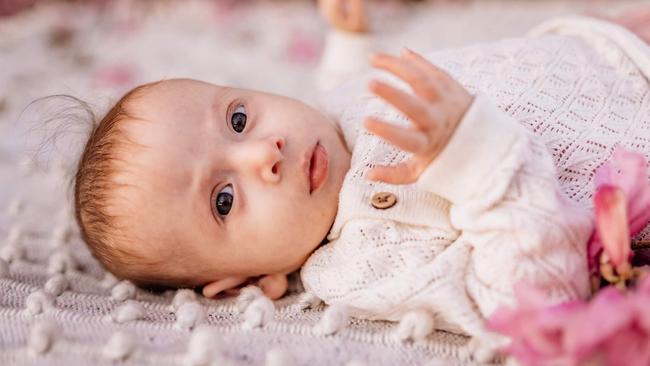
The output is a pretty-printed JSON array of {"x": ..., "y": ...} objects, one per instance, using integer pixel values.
[
  {"x": 238, "y": 119},
  {"x": 224, "y": 200}
]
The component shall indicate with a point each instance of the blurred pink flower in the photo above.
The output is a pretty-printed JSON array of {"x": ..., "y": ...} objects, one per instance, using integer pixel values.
[
  {"x": 627, "y": 170},
  {"x": 612, "y": 329},
  {"x": 612, "y": 225},
  {"x": 116, "y": 76},
  {"x": 11, "y": 7},
  {"x": 303, "y": 47},
  {"x": 536, "y": 329}
]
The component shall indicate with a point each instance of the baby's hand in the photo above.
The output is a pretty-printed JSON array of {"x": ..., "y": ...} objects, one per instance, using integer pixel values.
[
  {"x": 435, "y": 110},
  {"x": 347, "y": 15}
]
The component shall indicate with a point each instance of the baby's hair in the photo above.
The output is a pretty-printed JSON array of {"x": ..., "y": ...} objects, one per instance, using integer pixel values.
[{"x": 95, "y": 185}]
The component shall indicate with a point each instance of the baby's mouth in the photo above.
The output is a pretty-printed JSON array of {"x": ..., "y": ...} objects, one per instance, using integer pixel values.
[{"x": 318, "y": 167}]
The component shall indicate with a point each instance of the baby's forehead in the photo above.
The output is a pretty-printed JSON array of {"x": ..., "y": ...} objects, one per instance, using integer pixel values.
[
  {"x": 167, "y": 132},
  {"x": 176, "y": 95},
  {"x": 172, "y": 106}
]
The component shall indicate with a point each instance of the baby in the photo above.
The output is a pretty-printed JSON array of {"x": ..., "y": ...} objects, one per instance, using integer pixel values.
[{"x": 438, "y": 210}]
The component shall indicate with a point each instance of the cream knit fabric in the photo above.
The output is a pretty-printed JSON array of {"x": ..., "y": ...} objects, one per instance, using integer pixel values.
[{"x": 494, "y": 208}]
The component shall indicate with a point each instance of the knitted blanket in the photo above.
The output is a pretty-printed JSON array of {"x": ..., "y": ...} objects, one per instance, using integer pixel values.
[{"x": 57, "y": 306}]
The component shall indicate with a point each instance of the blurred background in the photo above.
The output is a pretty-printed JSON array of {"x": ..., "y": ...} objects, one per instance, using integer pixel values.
[{"x": 98, "y": 49}]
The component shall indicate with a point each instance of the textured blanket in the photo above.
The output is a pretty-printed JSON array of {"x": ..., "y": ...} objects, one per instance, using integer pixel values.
[{"x": 57, "y": 306}]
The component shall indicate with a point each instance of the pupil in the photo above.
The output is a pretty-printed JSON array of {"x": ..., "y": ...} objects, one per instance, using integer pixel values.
[
  {"x": 238, "y": 121},
  {"x": 224, "y": 203}
]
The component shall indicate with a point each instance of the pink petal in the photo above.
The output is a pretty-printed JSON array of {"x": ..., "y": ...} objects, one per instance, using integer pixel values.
[
  {"x": 628, "y": 171},
  {"x": 629, "y": 347},
  {"x": 303, "y": 47},
  {"x": 611, "y": 223},
  {"x": 643, "y": 286},
  {"x": 605, "y": 315},
  {"x": 535, "y": 329},
  {"x": 641, "y": 300},
  {"x": 594, "y": 247},
  {"x": 612, "y": 329},
  {"x": 115, "y": 76}
]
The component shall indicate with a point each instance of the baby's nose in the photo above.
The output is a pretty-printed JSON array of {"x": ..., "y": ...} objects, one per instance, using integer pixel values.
[{"x": 265, "y": 158}]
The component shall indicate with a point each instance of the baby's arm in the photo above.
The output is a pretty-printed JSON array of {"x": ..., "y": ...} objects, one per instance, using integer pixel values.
[
  {"x": 348, "y": 42},
  {"x": 501, "y": 181}
]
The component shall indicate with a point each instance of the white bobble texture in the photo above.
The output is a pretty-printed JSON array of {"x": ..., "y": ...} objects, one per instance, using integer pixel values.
[
  {"x": 15, "y": 236},
  {"x": 61, "y": 262},
  {"x": 123, "y": 291},
  {"x": 109, "y": 280},
  {"x": 201, "y": 348},
  {"x": 119, "y": 347},
  {"x": 483, "y": 352},
  {"x": 334, "y": 319},
  {"x": 355, "y": 363},
  {"x": 307, "y": 300},
  {"x": 41, "y": 336},
  {"x": 181, "y": 297},
  {"x": 61, "y": 235},
  {"x": 189, "y": 315},
  {"x": 278, "y": 357},
  {"x": 4, "y": 268},
  {"x": 247, "y": 295},
  {"x": 129, "y": 311},
  {"x": 38, "y": 302},
  {"x": 15, "y": 207},
  {"x": 259, "y": 313},
  {"x": 56, "y": 285},
  {"x": 415, "y": 325},
  {"x": 13, "y": 253}
]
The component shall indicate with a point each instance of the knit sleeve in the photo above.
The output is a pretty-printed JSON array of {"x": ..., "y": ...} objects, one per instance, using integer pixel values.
[
  {"x": 508, "y": 206},
  {"x": 345, "y": 55}
]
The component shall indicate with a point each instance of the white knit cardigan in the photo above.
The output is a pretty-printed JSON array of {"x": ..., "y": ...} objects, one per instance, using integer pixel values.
[{"x": 508, "y": 199}]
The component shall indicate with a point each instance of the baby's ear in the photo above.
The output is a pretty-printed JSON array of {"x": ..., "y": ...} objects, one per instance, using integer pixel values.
[
  {"x": 212, "y": 289},
  {"x": 273, "y": 286}
]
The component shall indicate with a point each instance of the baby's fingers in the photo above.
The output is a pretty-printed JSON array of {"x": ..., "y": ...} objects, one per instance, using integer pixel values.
[
  {"x": 404, "y": 138},
  {"x": 404, "y": 173},
  {"x": 413, "y": 107},
  {"x": 422, "y": 83},
  {"x": 425, "y": 65},
  {"x": 213, "y": 289}
]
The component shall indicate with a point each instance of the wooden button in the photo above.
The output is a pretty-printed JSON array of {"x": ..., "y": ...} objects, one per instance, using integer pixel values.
[{"x": 383, "y": 200}]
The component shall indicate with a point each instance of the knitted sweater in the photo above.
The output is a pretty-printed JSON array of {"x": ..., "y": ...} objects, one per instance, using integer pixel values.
[{"x": 501, "y": 204}]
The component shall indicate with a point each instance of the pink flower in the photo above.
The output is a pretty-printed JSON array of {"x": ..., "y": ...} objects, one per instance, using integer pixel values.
[
  {"x": 627, "y": 171},
  {"x": 11, "y": 7},
  {"x": 303, "y": 47},
  {"x": 118, "y": 76},
  {"x": 612, "y": 329},
  {"x": 536, "y": 330},
  {"x": 612, "y": 225}
]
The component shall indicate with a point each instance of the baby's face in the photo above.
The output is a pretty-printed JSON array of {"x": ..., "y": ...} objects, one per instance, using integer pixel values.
[{"x": 230, "y": 182}]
